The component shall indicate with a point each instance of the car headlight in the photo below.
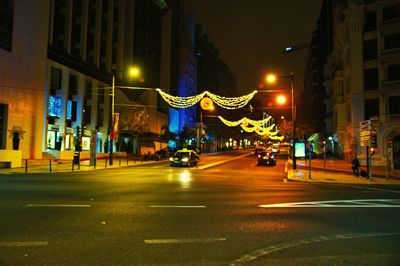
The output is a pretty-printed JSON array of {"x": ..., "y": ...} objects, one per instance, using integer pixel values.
[
  {"x": 171, "y": 158},
  {"x": 185, "y": 160}
]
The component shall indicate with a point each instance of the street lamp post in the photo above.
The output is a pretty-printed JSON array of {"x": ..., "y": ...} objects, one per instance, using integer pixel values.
[
  {"x": 112, "y": 119},
  {"x": 132, "y": 72},
  {"x": 293, "y": 122},
  {"x": 271, "y": 78}
]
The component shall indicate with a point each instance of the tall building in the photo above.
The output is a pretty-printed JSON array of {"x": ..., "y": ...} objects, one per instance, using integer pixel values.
[
  {"x": 58, "y": 59},
  {"x": 364, "y": 68}
]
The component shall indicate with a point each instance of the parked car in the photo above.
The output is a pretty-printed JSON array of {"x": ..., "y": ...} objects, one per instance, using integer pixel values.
[
  {"x": 266, "y": 158},
  {"x": 184, "y": 157}
]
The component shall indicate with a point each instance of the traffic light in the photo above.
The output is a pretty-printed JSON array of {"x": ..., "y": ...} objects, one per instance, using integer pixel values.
[
  {"x": 373, "y": 150},
  {"x": 78, "y": 131},
  {"x": 374, "y": 142}
]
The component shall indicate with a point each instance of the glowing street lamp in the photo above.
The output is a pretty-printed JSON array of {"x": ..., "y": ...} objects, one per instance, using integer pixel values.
[
  {"x": 134, "y": 72},
  {"x": 281, "y": 99}
]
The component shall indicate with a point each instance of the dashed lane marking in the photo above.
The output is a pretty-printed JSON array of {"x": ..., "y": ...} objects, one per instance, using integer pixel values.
[
  {"x": 23, "y": 243},
  {"x": 183, "y": 240},
  {"x": 358, "y": 203},
  {"x": 59, "y": 205},
  {"x": 178, "y": 206}
]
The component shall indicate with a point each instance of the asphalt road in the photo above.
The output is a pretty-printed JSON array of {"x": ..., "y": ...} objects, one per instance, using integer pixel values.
[{"x": 232, "y": 214}]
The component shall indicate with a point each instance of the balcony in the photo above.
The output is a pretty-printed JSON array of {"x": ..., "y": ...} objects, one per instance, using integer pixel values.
[{"x": 387, "y": 85}]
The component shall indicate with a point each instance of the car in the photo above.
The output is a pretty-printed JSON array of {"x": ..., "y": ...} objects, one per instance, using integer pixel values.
[
  {"x": 184, "y": 157},
  {"x": 266, "y": 158},
  {"x": 258, "y": 151}
]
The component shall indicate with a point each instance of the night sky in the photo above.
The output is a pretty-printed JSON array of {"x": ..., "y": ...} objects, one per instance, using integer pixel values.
[{"x": 250, "y": 35}]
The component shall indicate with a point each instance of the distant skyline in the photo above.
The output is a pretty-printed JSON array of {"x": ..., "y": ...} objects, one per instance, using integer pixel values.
[{"x": 250, "y": 35}]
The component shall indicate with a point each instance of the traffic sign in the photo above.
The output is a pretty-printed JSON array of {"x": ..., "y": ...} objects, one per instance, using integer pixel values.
[
  {"x": 364, "y": 143},
  {"x": 365, "y": 125}
]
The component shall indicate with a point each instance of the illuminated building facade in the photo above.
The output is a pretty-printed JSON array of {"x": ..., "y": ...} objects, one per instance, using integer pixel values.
[{"x": 364, "y": 67}]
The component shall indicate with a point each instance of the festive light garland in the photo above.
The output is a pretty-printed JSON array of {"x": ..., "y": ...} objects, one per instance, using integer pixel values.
[
  {"x": 257, "y": 126},
  {"x": 224, "y": 102},
  {"x": 245, "y": 121}
]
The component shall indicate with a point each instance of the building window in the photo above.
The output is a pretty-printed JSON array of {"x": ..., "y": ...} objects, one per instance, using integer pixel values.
[
  {"x": 370, "y": 49},
  {"x": 393, "y": 72},
  {"x": 371, "y": 79},
  {"x": 6, "y": 24},
  {"x": 371, "y": 108},
  {"x": 59, "y": 23},
  {"x": 370, "y": 21},
  {"x": 394, "y": 105},
  {"x": 392, "y": 41},
  {"x": 88, "y": 90},
  {"x": 55, "y": 80},
  {"x": 391, "y": 12},
  {"x": 76, "y": 27},
  {"x": 3, "y": 125},
  {"x": 73, "y": 85}
]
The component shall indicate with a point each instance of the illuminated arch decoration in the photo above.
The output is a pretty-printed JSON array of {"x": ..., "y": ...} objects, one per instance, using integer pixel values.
[
  {"x": 224, "y": 102},
  {"x": 245, "y": 122},
  {"x": 256, "y": 126}
]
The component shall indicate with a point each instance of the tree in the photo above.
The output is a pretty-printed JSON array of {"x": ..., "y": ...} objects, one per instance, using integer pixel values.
[
  {"x": 166, "y": 134},
  {"x": 302, "y": 130},
  {"x": 135, "y": 121},
  {"x": 184, "y": 135}
]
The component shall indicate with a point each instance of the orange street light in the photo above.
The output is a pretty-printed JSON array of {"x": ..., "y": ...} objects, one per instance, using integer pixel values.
[
  {"x": 270, "y": 78},
  {"x": 281, "y": 99}
]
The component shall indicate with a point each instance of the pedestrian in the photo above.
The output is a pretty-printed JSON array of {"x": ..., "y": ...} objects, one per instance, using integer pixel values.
[{"x": 355, "y": 165}]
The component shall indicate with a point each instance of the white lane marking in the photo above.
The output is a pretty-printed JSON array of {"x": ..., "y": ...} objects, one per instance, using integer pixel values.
[
  {"x": 59, "y": 205},
  {"x": 372, "y": 188},
  {"x": 178, "y": 206},
  {"x": 358, "y": 203},
  {"x": 271, "y": 249},
  {"x": 23, "y": 243},
  {"x": 183, "y": 240}
]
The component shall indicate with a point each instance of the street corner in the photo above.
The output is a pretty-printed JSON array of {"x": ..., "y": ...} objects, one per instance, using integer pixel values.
[{"x": 295, "y": 174}]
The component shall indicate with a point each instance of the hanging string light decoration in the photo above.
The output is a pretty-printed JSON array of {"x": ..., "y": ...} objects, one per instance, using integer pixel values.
[
  {"x": 245, "y": 121},
  {"x": 224, "y": 102},
  {"x": 181, "y": 102},
  {"x": 231, "y": 102},
  {"x": 256, "y": 126}
]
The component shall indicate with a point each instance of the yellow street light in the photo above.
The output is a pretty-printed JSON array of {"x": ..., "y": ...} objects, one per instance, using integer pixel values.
[{"x": 134, "y": 72}]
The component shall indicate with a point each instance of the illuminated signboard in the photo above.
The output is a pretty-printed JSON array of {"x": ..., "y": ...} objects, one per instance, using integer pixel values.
[
  {"x": 54, "y": 107},
  {"x": 300, "y": 149}
]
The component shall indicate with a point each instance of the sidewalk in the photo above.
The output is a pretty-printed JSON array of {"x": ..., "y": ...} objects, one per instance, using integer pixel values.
[
  {"x": 58, "y": 166},
  {"x": 338, "y": 171}
]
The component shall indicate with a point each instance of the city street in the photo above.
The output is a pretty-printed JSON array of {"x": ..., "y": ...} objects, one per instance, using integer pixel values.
[{"x": 235, "y": 213}]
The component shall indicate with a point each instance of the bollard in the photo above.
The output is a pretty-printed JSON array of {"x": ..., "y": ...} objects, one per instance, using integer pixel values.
[
  {"x": 120, "y": 161},
  {"x": 50, "y": 165},
  {"x": 72, "y": 165},
  {"x": 105, "y": 166},
  {"x": 26, "y": 165}
]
